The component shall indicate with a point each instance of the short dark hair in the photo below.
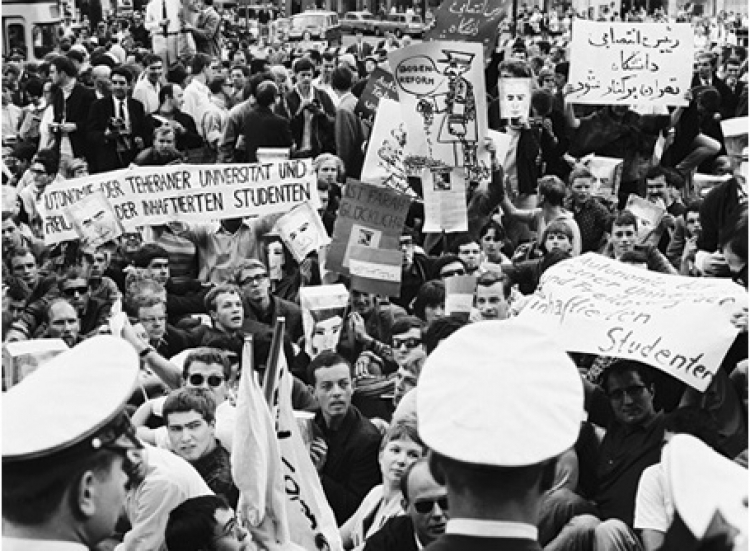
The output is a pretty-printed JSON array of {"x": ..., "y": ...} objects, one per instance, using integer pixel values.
[
  {"x": 492, "y": 225},
  {"x": 342, "y": 78},
  {"x": 303, "y": 64},
  {"x": 256, "y": 80},
  {"x": 580, "y": 172},
  {"x": 64, "y": 64},
  {"x": 488, "y": 279},
  {"x": 217, "y": 83},
  {"x": 620, "y": 367},
  {"x": 49, "y": 158},
  {"x": 625, "y": 218},
  {"x": 405, "y": 324},
  {"x": 167, "y": 91},
  {"x": 443, "y": 261},
  {"x": 542, "y": 101},
  {"x": 123, "y": 72},
  {"x": 152, "y": 59},
  {"x": 199, "y": 62},
  {"x": 266, "y": 93},
  {"x": 461, "y": 240},
  {"x": 207, "y": 355},
  {"x": 440, "y": 330},
  {"x": 553, "y": 189},
  {"x": 325, "y": 359},
  {"x": 147, "y": 253},
  {"x": 432, "y": 294},
  {"x": 694, "y": 421},
  {"x": 182, "y": 400},
  {"x": 190, "y": 526}
]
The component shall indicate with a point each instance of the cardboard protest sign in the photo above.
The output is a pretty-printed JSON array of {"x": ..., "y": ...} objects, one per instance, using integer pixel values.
[
  {"x": 515, "y": 97},
  {"x": 442, "y": 96},
  {"x": 384, "y": 161},
  {"x": 471, "y": 21},
  {"x": 597, "y": 305},
  {"x": 24, "y": 357},
  {"x": 648, "y": 214},
  {"x": 302, "y": 231},
  {"x": 369, "y": 216},
  {"x": 444, "y": 194},
  {"x": 630, "y": 63},
  {"x": 459, "y": 294},
  {"x": 152, "y": 195},
  {"x": 502, "y": 143},
  {"x": 608, "y": 172},
  {"x": 94, "y": 220},
  {"x": 376, "y": 271},
  {"x": 380, "y": 85},
  {"x": 323, "y": 309}
]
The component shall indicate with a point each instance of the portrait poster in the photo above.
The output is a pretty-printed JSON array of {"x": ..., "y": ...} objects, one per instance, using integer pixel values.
[
  {"x": 515, "y": 97},
  {"x": 630, "y": 63},
  {"x": 302, "y": 231},
  {"x": 384, "y": 160},
  {"x": 441, "y": 91},
  {"x": 323, "y": 311},
  {"x": 94, "y": 220},
  {"x": 648, "y": 214},
  {"x": 598, "y": 305},
  {"x": 444, "y": 194},
  {"x": 370, "y": 216},
  {"x": 608, "y": 172},
  {"x": 376, "y": 271}
]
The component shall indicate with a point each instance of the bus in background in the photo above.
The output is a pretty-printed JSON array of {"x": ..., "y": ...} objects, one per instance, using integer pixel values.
[{"x": 30, "y": 27}]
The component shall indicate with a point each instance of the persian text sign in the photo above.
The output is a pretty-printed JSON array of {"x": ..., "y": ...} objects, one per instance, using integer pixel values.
[
  {"x": 380, "y": 85},
  {"x": 469, "y": 20},
  {"x": 630, "y": 63},
  {"x": 188, "y": 193},
  {"x": 677, "y": 324}
]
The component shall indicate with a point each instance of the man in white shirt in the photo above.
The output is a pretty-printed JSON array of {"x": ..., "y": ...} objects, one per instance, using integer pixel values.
[
  {"x": 147, "y": 88},
  {"x": 164, "y": 21},
  {"x": 197, "y": 97}
]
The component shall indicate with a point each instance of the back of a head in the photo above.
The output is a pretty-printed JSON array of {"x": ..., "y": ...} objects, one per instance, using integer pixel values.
[
  {"x": 266, "y": 93},
  {"x": 342, "y": 78},
  {"x": 191, "y": 524}
]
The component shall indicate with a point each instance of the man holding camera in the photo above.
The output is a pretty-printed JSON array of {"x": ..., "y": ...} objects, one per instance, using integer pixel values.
[
  {"x": 116, "y": 126},
  {"x": 313, "y": 114}
]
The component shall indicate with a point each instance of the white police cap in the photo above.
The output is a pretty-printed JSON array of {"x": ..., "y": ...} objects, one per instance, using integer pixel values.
[
  {"x": 72, "y": 399},
  {"x": 499, "y": 393}
]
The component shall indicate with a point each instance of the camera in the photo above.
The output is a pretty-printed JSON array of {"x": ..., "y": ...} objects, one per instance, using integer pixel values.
[
  {"x": 116, "y": 125},
  {"x": 314, "y": 105}
]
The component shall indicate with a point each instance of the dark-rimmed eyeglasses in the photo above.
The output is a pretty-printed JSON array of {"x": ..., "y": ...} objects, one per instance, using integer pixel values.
[
  {"x": 253, "y": 279},
  {"x": 428, "y": 505},
  {"x": 72, "y": 291},
  {"x": 633, "y": 392},
  {"x": 196, "y": 379},
  {"x": 410, "y": 343}
]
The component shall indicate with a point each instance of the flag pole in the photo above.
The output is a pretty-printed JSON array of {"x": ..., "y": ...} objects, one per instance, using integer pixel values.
[{"x": 272, "y": 366}]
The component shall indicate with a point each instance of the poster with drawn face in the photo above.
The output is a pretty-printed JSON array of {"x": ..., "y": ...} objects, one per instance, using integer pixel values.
[
  {"x": 275, "y": 251},
  {"x": 302, "y": 231},
  {"x": 515, "y": 97},
  {"x": 323, "y": 309},
  {"x": 441, "y": 93},
  {"x": 94, "y": 220}
]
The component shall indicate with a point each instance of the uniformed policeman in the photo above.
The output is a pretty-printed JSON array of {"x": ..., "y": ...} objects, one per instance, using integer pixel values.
[
  {"x": 497, "y": 402},
  {"x": 67, "y": 445}
]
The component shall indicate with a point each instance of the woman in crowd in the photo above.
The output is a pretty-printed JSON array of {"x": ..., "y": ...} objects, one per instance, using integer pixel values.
[{"x": 400, "y": 448}]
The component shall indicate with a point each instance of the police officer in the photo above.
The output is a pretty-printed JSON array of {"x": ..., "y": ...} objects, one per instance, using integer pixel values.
[
  {"x": 67, "y": 448},
  {"x": 497, "y": 402}
]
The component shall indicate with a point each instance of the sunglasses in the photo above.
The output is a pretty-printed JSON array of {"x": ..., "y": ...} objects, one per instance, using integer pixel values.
[
  {"x": 428, "y": 505},
  {"x": 72, "y": 291},
  {"x": 214, "y": 381},
  {"x": 451, "y": 273},
  {"x": 410, "y": 343}
]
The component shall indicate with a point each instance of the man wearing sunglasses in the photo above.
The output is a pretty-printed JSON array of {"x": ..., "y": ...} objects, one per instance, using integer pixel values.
[
  {"x": 426, "y": 505},
  {"x": 92, "y": 313},
  {"x": 65, "y": 487}
]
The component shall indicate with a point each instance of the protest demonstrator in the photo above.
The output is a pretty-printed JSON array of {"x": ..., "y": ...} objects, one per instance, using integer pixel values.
[{"x": 317, "y": 244}]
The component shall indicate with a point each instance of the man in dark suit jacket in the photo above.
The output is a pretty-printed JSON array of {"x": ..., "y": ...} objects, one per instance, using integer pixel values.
[
  {"x": 260, "y": 305},
  {"x": 264, "y": 128},
  {"x": 705, "y": 76},
  {"x": 116, "y": 126},
  {"x": 361, "y": 50},
  {"x": 736, "y": 88},
  {"x": 70, "y": 104}
]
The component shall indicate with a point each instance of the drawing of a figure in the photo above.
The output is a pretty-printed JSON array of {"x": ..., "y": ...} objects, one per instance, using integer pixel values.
[{"x": 458, "y": 105}]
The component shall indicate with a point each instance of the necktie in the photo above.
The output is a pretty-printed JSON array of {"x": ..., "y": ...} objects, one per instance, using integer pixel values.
[{"x": 119, "y": 114}]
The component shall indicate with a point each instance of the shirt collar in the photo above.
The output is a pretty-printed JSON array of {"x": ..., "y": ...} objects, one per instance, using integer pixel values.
[{"x": 491, "y": 528}]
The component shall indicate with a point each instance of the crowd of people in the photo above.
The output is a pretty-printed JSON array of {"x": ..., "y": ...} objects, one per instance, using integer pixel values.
[{"x": 141, "y": 94}]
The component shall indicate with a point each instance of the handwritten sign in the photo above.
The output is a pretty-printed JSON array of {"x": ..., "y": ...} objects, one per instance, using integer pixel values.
[
  {"x": 441, "y": 93},
  {"x": 189, "y": 193},
  {"x": 379, "y": 86},
  {"x": 369, "y": 216},
  {"x": 630, "y": 63},
  {"x": 376, "y": 271},
  {"x": 515, "y": 97},
  {"x": 597, "y": 305},
  {"x": 469, "y": 20},
  {"x": 444, "y": 201}
]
